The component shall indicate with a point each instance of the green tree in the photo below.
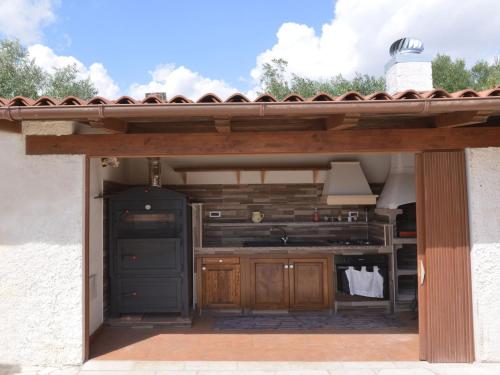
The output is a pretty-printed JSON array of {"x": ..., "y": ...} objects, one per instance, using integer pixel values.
[
  {"x": 274, "y": 81},
  {"x": 453, "y": 75},
  {"x": 450, "y": 75},
  {"x": 64, "y": 82},
  {"x": 19, "y": 75}
]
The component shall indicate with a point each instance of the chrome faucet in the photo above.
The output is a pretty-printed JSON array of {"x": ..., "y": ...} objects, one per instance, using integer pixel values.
[{"x": 284, "y": 235}]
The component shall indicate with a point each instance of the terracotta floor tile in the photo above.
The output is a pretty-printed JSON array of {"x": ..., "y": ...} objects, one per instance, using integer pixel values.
[{"x": 203, "y": 343}]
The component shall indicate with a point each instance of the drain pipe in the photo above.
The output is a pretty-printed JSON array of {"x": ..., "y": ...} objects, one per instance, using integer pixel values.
[{"x": 154, "y": 172}]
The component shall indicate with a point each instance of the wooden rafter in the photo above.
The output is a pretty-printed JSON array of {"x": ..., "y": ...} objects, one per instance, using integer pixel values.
[
  {"x": 457, "y": 119},
  {"x": 306, "y": 142},
  {"x": 110, "y": 125},
  {"x": 342, "y": 121}
]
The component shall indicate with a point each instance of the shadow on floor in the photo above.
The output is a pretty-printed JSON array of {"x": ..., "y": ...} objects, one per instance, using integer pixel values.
[{"x": 242, "y": 339}]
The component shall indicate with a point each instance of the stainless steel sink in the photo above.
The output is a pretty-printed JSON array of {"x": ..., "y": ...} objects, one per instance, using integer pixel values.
[{"x": 290, "y": 243}]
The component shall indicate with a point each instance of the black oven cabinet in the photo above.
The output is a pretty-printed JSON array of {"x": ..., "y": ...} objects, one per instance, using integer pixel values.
[{"x": 150, "y": 252}]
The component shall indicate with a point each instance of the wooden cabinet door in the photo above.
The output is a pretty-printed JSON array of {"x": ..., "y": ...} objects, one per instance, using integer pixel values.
[
  {"x": 221, "y": 286},
  {"x": 269, "y": 284},
  {"x": 308, "y": 284}
]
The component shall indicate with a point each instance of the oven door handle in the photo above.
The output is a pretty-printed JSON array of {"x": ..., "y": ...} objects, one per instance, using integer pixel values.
[{"x": 422, "y": 272}]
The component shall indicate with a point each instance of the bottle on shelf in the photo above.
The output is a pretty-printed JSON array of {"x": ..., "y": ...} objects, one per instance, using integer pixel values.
[{"x": 315, "y": 216}]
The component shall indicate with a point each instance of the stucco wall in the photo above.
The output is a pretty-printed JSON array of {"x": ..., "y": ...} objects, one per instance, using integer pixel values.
[
  {"x": 41, "y": 248},
  {"x": 483, "y": 169}
]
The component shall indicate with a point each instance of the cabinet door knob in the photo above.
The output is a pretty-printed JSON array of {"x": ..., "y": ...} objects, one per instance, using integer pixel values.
[
  {"x": 203, "y": 268},
  {"x": 286, "y": 266},
  {"x": 291, "y": 266},
  {"x": 220, "y": 260}
]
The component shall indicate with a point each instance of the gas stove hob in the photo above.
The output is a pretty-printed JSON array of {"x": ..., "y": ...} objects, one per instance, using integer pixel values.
[{"x": 358, "y": 242}]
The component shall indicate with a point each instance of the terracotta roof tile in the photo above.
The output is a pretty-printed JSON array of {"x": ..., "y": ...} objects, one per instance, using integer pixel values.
[
  {"x": 435, "y": 94},
  {"x": 237, "y": 98},
  {"x": 72, "y": 100},
  {"x": 293, "y": 98},
  {"x": 491, "y": 92},
  {"x": 321, "y": 97},
  {"x": 209, "y": 98},
  {"x": 350, "y": 95},
  {"x": 407, "y": 94},
  {"x": 20, "y": 101},
  {"x": 180, "y": 99},
  {"x": 264, "y": 98},
  {"x": 379, "y": 95},
  {"x": 152, "y": 100},
  {"x": 98, "y": 100},
  {"x": 125, "y": 100},
  {"x": 467, "y": 93},
  {"x": 46, "y": 100}
]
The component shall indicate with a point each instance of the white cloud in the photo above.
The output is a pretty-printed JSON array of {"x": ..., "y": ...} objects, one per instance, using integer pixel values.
[
  {"x": 49, "y": 61},
  {"x": 24, "y": 19},
  {"x": 175, "y": 80},
  {"x": 360, "y": 33}
]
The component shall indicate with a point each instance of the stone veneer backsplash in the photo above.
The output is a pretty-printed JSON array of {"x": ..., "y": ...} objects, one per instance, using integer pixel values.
[{"x": 279, "y": 203}]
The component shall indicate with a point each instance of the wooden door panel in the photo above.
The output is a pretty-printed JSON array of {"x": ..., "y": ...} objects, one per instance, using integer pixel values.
[
  {"x": 269, "y": 284},
  {"x": 421, "y": 261},
  {"x": 308, "y": 284},
  {"x": 444, "y": 248},
  {"x": 221, "y": 286}
]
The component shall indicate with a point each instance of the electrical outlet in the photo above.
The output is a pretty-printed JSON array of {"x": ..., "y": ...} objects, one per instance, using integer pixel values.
[{"x": 214, "y": 214}]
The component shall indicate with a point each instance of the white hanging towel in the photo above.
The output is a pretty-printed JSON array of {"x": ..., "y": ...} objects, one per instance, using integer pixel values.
[{"x": 364, "y": 283}]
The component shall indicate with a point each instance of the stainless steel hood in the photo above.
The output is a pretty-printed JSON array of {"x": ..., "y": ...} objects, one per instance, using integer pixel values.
[
  {"x": 346, "y": 184},
  {"x": 399, "y": 187}
]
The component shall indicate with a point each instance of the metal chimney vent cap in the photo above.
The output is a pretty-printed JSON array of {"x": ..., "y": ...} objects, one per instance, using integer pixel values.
[{"x": 406, "y": 45}]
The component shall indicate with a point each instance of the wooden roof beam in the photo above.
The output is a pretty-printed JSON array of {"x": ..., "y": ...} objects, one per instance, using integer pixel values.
[
  {"x": 342, "y": 121},
  {"x": 280, "y": 143},
  {"x": 457, "y": 119},
  {"x": 223, "y": 125},
  {"x": 110, "y": 125}
]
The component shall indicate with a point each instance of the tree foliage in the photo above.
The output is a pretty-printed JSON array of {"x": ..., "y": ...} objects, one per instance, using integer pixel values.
[
  {"x": 276, "y": 82},
  {"x": 19, "y": 75},
  {"x": 451, "y": 75},
  {"x": 64, "y": 82}
]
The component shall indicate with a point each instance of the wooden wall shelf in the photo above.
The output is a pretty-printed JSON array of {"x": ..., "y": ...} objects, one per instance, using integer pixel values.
[{"x": 287, "y": 223}]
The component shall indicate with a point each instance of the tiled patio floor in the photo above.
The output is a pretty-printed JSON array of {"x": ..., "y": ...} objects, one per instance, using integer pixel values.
[{"x": 204, "y": 343}]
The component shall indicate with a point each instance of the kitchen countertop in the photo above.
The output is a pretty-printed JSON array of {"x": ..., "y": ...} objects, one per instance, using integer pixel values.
[{"x": 246, "y": 250}]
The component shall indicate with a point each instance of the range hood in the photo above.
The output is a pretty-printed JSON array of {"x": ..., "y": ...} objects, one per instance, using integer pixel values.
[
  {"x": 399, "y": 187},
  {"x": 346, "y": 184}
]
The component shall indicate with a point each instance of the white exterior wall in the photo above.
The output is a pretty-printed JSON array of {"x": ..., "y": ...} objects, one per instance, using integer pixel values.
[
  {"x": 41, "y": 252},
  {"x": 483, "y": 179}
]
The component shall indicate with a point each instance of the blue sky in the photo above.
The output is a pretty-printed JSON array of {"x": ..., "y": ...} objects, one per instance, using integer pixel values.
[
  {"x": 220, "y": 39},
  {"x": 193, "y": 47}
]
